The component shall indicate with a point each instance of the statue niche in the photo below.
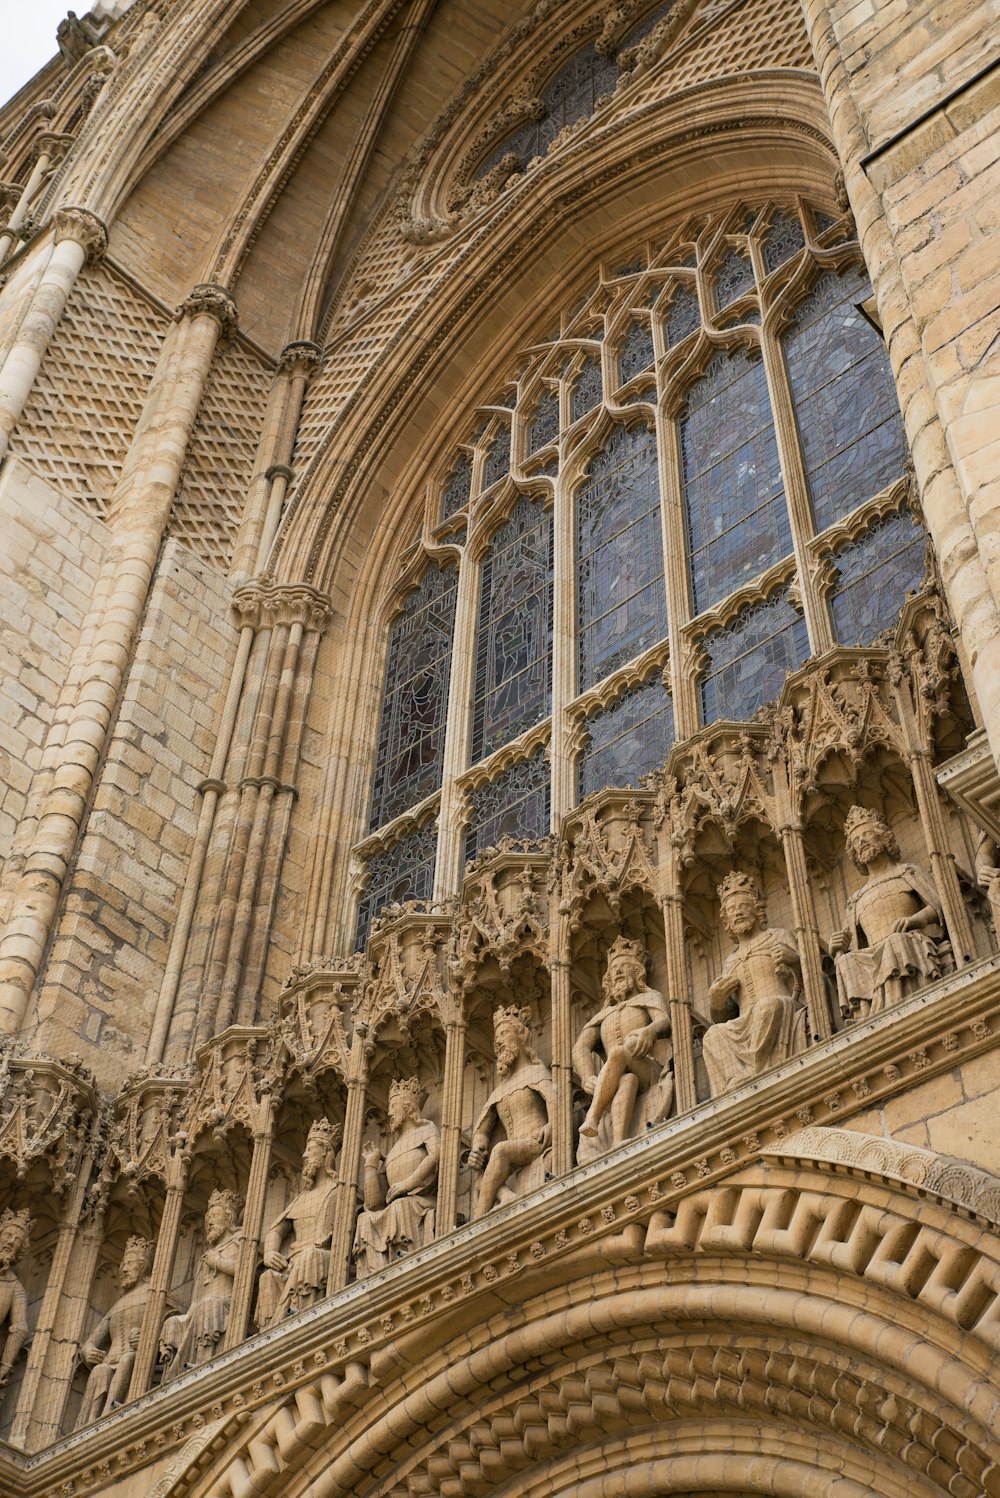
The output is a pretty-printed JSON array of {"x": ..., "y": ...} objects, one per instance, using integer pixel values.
[
  {"x": 297, "y": 1278},
  {"x": 762, "y": 977},
  {"x": 191, "y": 1338},
  {"x": 15, "y": 1234},
  {"x": 894, "y": 940},
  {"x": 111, "y": 1369},
  {"x": 399, "y": 1216},
  {"x": 632, "y": 1021},
  {"x": 523, "y": 1104}
]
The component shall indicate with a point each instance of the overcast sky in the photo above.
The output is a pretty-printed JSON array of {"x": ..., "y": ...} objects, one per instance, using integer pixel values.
[{"x": 28, "y": 38}]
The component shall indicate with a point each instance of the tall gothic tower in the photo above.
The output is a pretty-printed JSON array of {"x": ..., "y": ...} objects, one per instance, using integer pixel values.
[{"x": 500, "y": 824}]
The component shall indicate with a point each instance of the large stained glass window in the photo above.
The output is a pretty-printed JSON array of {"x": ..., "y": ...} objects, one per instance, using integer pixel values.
[
  {"x": 621, "y": 607},
  {"x": 850, "y": 429},
  {"x": 410, "y": 752},
  {"x": 403, "y": 871},
  {"x": 515, "y": 804},
  {"x": 749, "y": 659},
  {"x": 514, "y": 638},
  {"x": 874, "y": 575},
  {"x": 737, "y": 518},
  {"x": 628, "y": 739}
]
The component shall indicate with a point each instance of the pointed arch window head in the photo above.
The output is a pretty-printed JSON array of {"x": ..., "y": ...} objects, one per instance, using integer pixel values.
[
  {"x": 628, "y": 739},
  {"x": 410, "y": 754},
  {"x": 515, "y": 804},
  {"x": 748, "y": 660},
  {"x": 621, "y": 603},
  {"x": 846, "y": 410},
  {"x": 875, "y": 573},
  {"x": 514, "y": 636},
  {"x": 737, "y": 519}
]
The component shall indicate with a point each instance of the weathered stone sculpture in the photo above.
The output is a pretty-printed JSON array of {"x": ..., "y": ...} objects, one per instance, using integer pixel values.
[
  {"x": 625, "y": 1030},
  {"x": 988, "y": 876},
  {"x": 401, "y": 1216},
  {"x": 894, "y": 938},
  {"x": 522, "y": 1102},
  {"x": 15, "y": 1232},
  {"x": 111, "y": 1369},
  {"x": 191, "y": 1338},
  {"x": 763, "y": 978},
  {"x": 296, "y": 1279}
]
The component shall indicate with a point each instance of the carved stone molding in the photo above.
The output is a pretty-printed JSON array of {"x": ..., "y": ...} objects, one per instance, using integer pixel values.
[
  {"x": 85, "y": 228},
  {"x": 263, "y": 604},
  {"x": 233, "y": 1071},
  {"x": 300, "y": 358},
  {"x": 503, "y": 913},
  {"x": 607, "y": 848},
  {"x": 48, "y": 1111},
  {"x": 146, "y": 1132},
  {"x": 207, "y": 299},
  {"x": 314, "y": 1018}
]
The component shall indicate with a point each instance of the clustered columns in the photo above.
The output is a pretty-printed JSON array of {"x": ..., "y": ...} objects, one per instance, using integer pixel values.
[
  {"x": 138, "y": 514},
  {"x": 48, "y": 151}
]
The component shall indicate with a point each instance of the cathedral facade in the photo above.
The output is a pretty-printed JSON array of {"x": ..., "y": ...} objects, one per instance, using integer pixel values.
[{"x": 500, "y": 822}]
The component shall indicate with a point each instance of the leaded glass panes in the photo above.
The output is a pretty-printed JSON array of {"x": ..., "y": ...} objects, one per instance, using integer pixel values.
[
  {"x": 749, "y": 660},
  {"x": 848, "y": 418},
  {"x": 514, "y": 639},
  {"x": 874, "y": 575},
  {"x": 545, "y": 421},
  {"x": 637, "y": 353},
  {"x": 733, "y": 278},
  {"x": 403, "y": 871},
  {"x": 588, "y": 390},
  {"x": 410, "y": 753},
  {"x": 783, "y": 239},
  {"x": 515, "y": 804},
  {"x": 497, "y": 464},
  {"x": 736, "y": 514},
  {"x": 459, "y": 486},
  {"x": 683, "y": 316},
  {"x": 621, "y": 602},
  {"x": 570, "y": 95},
  {"x": 628, "y": 739},
  {"x": 642, "y": 28}
]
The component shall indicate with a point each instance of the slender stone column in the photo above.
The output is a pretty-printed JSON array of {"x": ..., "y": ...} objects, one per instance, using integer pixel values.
[
  {"x": 253, "y": 1224},
  {"x": 50, "y": 148},
  {"x": 350, "y": 1163},
  {"x": 806, "y": 929},
  {"x": 79, "y": 236},
  {"x": 43, "y": 1422},
  {"x": 685, "y": 1090},
  {"x": 159, "y": 1279},
  {"x": 562, "y": 1051},
  {"x": 451, "y": 1119},
  {"x": 139, "y": 511}
]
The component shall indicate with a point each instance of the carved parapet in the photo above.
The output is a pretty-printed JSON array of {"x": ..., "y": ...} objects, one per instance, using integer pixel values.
[
  {"x": 263, "y": 604},
  {"x": 48, "y": 1111},
  {"x": 314, "y": 1016},
  {"x": 85, "y": 228},
  {"x": 607, "y": 849},
  {"x": 234, "y": 1070},
  {"x": 408, "y": 974},
  {"x": 504, "y": 909},
  {"x": 147, "y": 1129},
  {"x": 207, "y": 299}
]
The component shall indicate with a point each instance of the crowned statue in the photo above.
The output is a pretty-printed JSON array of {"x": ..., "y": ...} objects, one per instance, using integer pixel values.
[
  {"x": 762, "y": 980},
  {"x": 522, "y": 1104},
  {"x": 297, "y": 1244},
  {"x": 15, "y": 1233},
  {"x": 192, "y": 1338},
  {"x": 111, "y": 1367},
  {"x": 399, "y": 1214}
]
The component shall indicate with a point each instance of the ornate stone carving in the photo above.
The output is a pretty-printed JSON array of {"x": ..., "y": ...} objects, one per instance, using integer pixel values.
[
  {"x": 300, "y": 358},
  {"x": 228, "y": 1084},
  {"x": 215, "y": 301},
  {"x": 15, "y": 1233},
  {"x": 627, "y": 1029},
  {"x": 399, "y": 1216},
  {"x": 503, "y": 914},
  {"x": 762, "y": 977},
  {"x": 48, "y": 1113},
  {"x": 263, "y": 604},
  {"x": 894, "y": 940},
  {"x": 85, "y": 228},
  {"x": 111, "y": 1367},
  {"x": 522, "y": 1103},
  {"x": 611, "y": 851},
  {"x": 192, "y": 1338},
  {"x": 296, "y": 1279}
]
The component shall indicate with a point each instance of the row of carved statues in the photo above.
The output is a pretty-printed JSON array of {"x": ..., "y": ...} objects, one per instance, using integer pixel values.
[{"x": 894, "y": 942}]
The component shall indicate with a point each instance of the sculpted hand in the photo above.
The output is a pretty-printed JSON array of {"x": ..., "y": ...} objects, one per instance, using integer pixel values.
[
  {"x": 92, "y": 1355},
  {"x": 985, "y": 877},
  {"x": 276, "y": 1261},
  {"x": 639, "y": 1043},
  {"x": 590, "y": 1085},
  {"x": 477, "y": 1157},
  {"x": 394, "y": 1191},
  {"x": 839, "y": 942},
  {"x": 905, "y": 923},
  {"x": 722, "y": 988},
  {"x": 543, "y": 1136},
  {"x": 372, "y": 1156},
  {"x": 135, "y": 1333}
]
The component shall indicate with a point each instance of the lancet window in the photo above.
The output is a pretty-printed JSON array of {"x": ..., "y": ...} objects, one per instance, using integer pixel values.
[{"x": 719, "y": 498}]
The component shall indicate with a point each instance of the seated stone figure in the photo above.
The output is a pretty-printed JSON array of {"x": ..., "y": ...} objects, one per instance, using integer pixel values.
[
  {"x": 15, "y": 1232},
  {"x": 894, "y": 940},
  {"x": 402, "y": 1216},
  {"x": 522, "y": 1103},
  {"x": 111, "y": 1369},
  {"x": 614, "y": 1054},
  {"x": 194, "y": 1336},
  {"x": 296, "y": 1278},
  {"x": 763, "y": 978}
]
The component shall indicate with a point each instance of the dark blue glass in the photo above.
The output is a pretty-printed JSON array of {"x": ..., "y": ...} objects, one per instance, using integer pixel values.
[
  {"x": 874, "y": 575},
  {"x": 628, "y": 739},
  {"x": 514, "y": 805},
  {"x": 749, "y": 660}
]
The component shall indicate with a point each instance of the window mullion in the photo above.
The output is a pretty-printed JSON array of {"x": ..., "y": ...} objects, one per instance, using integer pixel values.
[
  {"x": 686, "y": 718},
  {"x": 458, "y": 735},
  {"x": 564, "y": 652},
  {"x": 814, "y": 603}
]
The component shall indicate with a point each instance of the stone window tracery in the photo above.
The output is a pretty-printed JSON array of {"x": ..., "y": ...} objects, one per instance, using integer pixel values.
[
  {"x": 402, "y": 871},
  {"x": 513, "y": 805},
  {"x": 628, "y": 739},
  {"x": 748, "y": 660},
  {"x": 873, "y": 573}
]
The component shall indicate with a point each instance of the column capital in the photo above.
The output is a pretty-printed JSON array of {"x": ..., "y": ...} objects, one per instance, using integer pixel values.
[
  {"x": 262, "y": 603},
  {"x": 84, "y": 227},
  {"x": 208, "y": 299},
  {"x": 300, "y": 358},
  {"x": 52, "y": 143}
]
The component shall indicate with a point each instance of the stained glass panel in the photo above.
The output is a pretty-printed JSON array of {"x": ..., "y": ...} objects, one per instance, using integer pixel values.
[
  {"x": 736, "y": 513},
  {"x": 497, "y": 464},
  {"x": 410, "y": 752},
  {"x": 637, "y": 353},
  {"x": 459, "y": 486},
  {"x": 683, "y": 315},
  {"x": 588, "y": 391},
  {"x": 571, "y": 94},
  {"x": 514, "y": 639},
  {"x": 848, "y": 418},
  {"x": 783, "y": 239},
  {"x": 545, "y": 421},
  {"x": 749, "y": 660},
  {"x": 874, "y": 575},
  {"x": 621, "y": 602},
  {"x": 628, "y": 739},
  {"x": 403, "y": 871},
  {"x": 733, "y": 278},
  {"x": 642, "y": 28},
  {"x": 515, "y": 805}
]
